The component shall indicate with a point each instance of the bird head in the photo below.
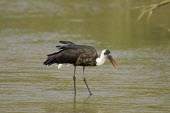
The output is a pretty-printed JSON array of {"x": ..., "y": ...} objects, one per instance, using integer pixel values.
[{"x": 107, "y": 54}]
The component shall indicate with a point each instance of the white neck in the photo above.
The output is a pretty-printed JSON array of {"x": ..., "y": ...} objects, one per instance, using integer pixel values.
[{"x": 101, "y": 60}]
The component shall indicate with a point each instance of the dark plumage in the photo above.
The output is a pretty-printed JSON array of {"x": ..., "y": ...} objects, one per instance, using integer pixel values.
[{"x": 78, "y": 55}]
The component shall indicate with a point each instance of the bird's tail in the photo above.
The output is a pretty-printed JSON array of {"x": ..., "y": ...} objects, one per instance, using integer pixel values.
[
  {"x": 49, "y": 61},
  {"x": 51, "y": 58},
  {"x": 55, "y": 57}
]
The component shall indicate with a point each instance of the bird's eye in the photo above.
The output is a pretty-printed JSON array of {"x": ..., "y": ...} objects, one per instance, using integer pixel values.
[{"x": 107, "y": 52}]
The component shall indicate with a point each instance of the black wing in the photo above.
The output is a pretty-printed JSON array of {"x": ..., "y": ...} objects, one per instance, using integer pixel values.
[
  {"x": 74, "y": 54},
  {"x": 68, "y": 54}
]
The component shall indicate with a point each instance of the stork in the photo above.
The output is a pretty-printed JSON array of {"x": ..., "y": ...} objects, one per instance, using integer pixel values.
[{"x": 78, "y": 55}]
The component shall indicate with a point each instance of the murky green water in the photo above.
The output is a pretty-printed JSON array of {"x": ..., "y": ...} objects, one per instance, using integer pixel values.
[{"x": 30, "y": 29}]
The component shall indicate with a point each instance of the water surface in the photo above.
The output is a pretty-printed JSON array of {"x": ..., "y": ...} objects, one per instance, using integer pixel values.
[{"x": 31, "y": 29}]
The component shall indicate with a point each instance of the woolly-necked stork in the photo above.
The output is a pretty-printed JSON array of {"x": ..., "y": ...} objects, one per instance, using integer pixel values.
[{"x": 78, "y": 55}]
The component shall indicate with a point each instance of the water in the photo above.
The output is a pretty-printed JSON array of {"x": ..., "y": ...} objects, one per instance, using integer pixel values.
[{"x": 31, "y": 29}]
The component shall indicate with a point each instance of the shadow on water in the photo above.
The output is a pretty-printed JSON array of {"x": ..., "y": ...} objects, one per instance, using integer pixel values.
[
  {"x": 74, "y": 106},
  {"x": 84, "y": 104}
]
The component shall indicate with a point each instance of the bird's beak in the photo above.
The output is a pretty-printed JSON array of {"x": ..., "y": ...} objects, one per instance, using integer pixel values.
[{"x": 112, "y": 61}]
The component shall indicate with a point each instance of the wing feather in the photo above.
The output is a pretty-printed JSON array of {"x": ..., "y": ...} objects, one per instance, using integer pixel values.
[{"x": 73, "y": 54}]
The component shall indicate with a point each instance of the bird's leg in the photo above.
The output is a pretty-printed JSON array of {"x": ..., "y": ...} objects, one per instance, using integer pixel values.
[
  {"x": 84, "y": 79},
  {"x": 74, "y": 79}
]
